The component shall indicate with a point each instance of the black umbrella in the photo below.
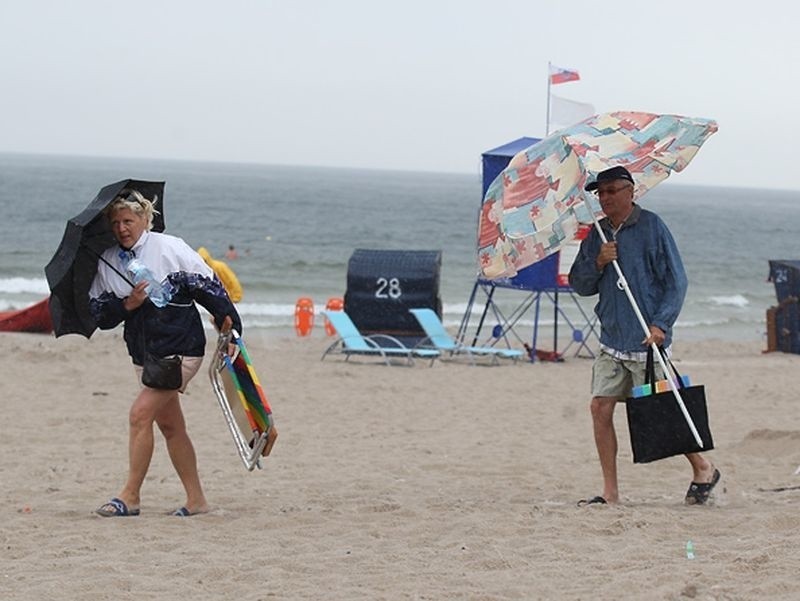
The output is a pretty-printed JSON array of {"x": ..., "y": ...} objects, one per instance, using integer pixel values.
[{"x": 71, "y": 270}]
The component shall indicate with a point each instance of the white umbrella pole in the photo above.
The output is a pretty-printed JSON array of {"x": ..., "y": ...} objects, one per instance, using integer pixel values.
[{"x": 623, "y": 283}]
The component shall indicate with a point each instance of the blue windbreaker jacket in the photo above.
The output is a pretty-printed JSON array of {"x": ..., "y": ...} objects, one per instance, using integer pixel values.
[{"x": 652, "y": 266}]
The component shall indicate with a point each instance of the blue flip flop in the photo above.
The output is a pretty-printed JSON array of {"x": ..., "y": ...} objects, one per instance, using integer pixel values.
[
  {"x": 183, "y": 512},
  {"x": 116, "y": 508}
]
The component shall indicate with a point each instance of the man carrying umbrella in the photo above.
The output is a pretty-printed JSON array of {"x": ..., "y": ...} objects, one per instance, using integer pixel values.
[{"x": 641, "y": 243}]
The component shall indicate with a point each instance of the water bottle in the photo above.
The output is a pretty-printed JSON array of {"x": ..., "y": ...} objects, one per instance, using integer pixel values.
[
  {"x": 689, "y": 550},
  {"x": 139, "y": 272}
]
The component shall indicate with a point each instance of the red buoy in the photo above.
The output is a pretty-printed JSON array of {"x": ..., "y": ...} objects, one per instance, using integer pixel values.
[
  {"x": 304, "y": 316},
  {"x": 333, "y": 304}
]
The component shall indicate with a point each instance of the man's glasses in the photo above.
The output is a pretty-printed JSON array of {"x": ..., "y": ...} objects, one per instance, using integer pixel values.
[{"x": 604, "y": 191}]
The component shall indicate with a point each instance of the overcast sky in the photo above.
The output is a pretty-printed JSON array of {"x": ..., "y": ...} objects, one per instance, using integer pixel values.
[{"x": 417, "y": 84}]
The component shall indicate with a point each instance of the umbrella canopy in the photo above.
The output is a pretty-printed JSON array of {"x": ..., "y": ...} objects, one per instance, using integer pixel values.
[
  {"x": 72, "y": 269},
  {"x": 538, "y": 202}
]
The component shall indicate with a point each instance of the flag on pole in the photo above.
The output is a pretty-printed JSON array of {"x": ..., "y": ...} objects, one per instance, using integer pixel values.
[
  {"x": 565, "y": 112},
  {"x": 562, "y": 75}
]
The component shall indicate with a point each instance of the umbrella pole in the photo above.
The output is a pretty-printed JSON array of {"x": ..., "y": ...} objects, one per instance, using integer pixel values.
[{"x": 623, "y": 283}]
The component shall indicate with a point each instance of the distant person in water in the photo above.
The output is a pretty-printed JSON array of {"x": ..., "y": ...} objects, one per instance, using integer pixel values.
[{"x": 231, "y": 253}]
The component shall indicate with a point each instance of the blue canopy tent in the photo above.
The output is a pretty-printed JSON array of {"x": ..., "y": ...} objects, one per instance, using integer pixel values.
[{"x": 541, "y": 281}]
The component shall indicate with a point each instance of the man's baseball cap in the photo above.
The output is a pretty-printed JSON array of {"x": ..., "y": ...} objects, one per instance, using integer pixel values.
[{"x": 609, "y": 175}]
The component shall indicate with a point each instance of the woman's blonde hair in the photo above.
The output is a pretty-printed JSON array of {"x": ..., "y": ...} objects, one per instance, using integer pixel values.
[{"x": 136, "y": 202}]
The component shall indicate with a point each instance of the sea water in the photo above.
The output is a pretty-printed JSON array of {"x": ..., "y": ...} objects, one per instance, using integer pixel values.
[{"x": 296, "y": 227}]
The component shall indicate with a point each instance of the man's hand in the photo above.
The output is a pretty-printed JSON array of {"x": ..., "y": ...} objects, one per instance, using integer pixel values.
[
  {"x": 656, "y": 336},
  {"x": 608, "y": 253}
]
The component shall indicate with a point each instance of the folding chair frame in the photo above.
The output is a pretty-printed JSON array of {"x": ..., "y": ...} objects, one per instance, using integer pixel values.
[{"x": 248, "y": 446}]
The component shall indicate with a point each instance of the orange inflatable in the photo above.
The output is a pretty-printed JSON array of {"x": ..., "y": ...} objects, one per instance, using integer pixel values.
[
  {"x": 304, "y": 316},
  {"x": 334, "y": 304}
]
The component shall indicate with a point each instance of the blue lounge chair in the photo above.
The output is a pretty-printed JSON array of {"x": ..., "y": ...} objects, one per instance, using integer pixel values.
[
  {"x": 439, "y": 339},
  {"x": 352, "y": 342}
]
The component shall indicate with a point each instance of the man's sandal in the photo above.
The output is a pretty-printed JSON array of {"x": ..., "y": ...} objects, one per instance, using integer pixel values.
[
  {"x": 699, "y": 492},
  {"x": 593, "y": 501}
]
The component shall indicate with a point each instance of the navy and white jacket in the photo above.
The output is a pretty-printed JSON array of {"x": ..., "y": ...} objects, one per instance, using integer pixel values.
[{"x": 175, "y": 329}]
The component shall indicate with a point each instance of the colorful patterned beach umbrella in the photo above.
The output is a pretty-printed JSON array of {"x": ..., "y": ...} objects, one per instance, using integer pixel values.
[{"x": 538, "y": 201}]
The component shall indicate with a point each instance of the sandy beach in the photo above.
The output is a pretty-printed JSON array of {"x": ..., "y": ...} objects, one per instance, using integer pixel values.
[{"x": 443, "y": 482}]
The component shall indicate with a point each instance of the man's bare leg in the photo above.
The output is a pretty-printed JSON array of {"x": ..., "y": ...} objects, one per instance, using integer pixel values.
[{"x": 605, "y": 439}]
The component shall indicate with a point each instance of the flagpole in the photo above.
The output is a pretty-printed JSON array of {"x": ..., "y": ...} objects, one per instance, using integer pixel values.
[{"x": 547, "y": 125}]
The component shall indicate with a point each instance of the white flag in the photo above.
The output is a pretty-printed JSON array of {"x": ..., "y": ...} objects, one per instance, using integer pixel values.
[{"x": 565, "y": 112}]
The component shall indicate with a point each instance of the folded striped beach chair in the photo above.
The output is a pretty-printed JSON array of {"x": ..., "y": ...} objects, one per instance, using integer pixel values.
[{"x": 242, "y": 400}]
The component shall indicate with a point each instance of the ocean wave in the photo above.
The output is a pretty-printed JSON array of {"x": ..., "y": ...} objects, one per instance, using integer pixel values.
[
  {"x": 265, "y": 309},
  {"x": 717, "y": 311},
  {"x": 278, "y": 318},
  {"x": 24, "y": 286},
  {"x": 7, "y": 305},
  {"x": 735, "y": 300},
  {"x": 719, "y": 321},
  {"x": 458, "y": 308}
]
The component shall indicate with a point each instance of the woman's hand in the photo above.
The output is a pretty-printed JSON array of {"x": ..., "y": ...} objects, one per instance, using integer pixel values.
[
  {"x": 227, "y": 324},
  {"x": 136, "y": 298}
]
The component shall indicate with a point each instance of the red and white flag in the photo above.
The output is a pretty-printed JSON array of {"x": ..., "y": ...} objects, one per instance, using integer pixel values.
[{"x": 562, "y": 75}]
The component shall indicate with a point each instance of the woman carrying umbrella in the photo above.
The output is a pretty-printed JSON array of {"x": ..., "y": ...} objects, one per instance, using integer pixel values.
[{"x": 157, "y": 331}]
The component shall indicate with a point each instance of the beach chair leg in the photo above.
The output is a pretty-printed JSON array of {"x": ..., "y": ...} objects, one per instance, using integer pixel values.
[{"x": 272, "y": 436}]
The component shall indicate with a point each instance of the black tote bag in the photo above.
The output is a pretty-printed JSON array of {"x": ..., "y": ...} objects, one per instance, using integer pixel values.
[{"x": 657, "y": 426}]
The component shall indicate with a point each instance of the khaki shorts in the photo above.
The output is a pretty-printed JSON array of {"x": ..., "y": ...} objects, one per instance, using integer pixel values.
[
  {"x": 189, "y": 367},
  {"x": 616, "y": 377}
]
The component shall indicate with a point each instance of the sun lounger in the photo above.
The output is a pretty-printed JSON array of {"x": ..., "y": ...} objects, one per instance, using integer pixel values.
[
  {"x": 439, "y": 339},
  {"x": 242, "y": 400},
  {"x": 352, "y": 342}
]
